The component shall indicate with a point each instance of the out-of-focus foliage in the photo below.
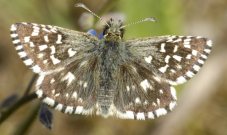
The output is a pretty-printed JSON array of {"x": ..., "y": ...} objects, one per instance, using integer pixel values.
[{"x": 181, "y": 17}]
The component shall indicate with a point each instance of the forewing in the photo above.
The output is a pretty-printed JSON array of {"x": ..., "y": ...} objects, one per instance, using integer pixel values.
[
  {"x": 44, "y": 47},
  {"x": 72, "y": 90},
  {"x": 140, "y": 94},
  {"x": 175, "y": 58}
]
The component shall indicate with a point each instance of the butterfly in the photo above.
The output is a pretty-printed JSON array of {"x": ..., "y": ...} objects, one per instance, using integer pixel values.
[{"x": 130, "y": 79}]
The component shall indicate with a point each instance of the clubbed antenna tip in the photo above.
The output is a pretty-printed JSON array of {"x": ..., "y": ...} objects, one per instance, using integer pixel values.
[
  {"x": 149, "y": 19},
  {"x": 86, "y": 8}
]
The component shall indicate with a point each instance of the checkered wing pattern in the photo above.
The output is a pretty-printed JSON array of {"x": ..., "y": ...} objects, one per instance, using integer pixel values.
[
  {"x": 80, "y": 74},
  {"x": 44, "y": 47},
  {"x": 60, "y": 57},
  {"x": 141, "y": 94},
  {"x": 72, "y": 90},
  {"x": 173, "y": 58}
]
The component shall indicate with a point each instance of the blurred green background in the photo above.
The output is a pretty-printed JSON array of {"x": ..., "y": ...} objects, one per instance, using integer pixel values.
[{"x": 202, "y": 105}]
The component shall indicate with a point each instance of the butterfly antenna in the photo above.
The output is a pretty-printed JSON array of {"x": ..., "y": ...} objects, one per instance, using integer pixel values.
[
  {"x": 86, "y": 8},
  {"x": 150, "y": 19}
]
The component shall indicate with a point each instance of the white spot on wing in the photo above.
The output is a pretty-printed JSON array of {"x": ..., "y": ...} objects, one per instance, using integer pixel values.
[
  {"x": 158, "y": 101},
  {"x": 27, "y": 39},
  {"x": 85, "y": 85},
  {"x": 45, "y": 61},
  {"x": 49, "y": 101},
  {"x": 190, "y": 74},
  {"x": 209, "y": 43},
  {"x": 39, "y": 93},
  {"x": 54, "y": 60},
  {"x": 161, "y": 91},
  {"x": 167, "y": 58},
  {"x": 204, "y": 56},
  {"x": 130, "y": 114},
  {"x": 59, "y": 107},
  {"x": 160, "y": 112},
  {"x": 16, "y": 41},
  {"x": 19, "y": 47},
  {"x": 35, "y": 31},
  {"x": 52, "y": 48},
  {"x": 40, "y": 79},
  {"x": 177, "y": 40},
  {"x": 79, "y": 109},
  {"x": 196, "y": 67},
  {"x": 176, "y": 57},
  {"x": 145, "y": 85},
  {"x": 175, "y": 48},
  {"x": 53, "y": 91},
  {"x": 207, "y": 50},
  {"x": 28, "y": 62},
  {"x": 42, "y": 47},
  {"x": 137, "y": 100},
  {"x": 163, "y": 47},
  {"x": 83, "y": 63},
  {"x": 154, "y": 104},
  {"x": 59, "y": 39},
  {"x": 187, "y": 40},
  {"x": 40, "y": 55},
  {"x": 74, "y": 95},
  {"x": 70, "y": 77},
  {"x": 31, "y": 44},
  {"x": 52, "y": 80},
  {"x": 46, "y": 30},
  {"x": 173, "y": 92},
  {"x": 140, "y": 116},
  {"x": 22, "y": 54},
  {"x": 150, "y": 115},
  {"x": 127, "y": 87},
  {"x": 163, "y": 69},
  {"x": 57, "y": 94},
  {"x": 14, "y": 35},
  {"x": 194, "y": 52},
  {"x": 189, "y": 56},
  {"x": 148, "y": 59},
  {"x": 46, "y": 38},
  {"x": 13, "y": 27},
  {"x": 187, "y": 46},
  {"x": 36, "y": 69},
  {"x": 180, "y": 80},
  {"x": 172, "y": 105},
  {"x": 69, "y": 109},
  {"x": 71, "y": 52},
  {"x": 200, "y": 61},
  {"x": 158, "y": 79}
]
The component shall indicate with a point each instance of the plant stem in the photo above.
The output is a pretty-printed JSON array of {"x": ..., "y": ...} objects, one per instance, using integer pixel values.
[{"x": 4, "y": 114}]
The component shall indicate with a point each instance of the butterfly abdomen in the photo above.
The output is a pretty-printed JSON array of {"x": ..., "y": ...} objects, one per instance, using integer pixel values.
[{"x": 110, "y": 58}]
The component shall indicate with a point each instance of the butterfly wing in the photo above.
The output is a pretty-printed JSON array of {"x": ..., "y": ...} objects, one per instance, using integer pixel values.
[
  {"x": 140, "y": 94},
  {"x": 175, "y": 58},
  {"x": 144, "y": 81},
  {"x": 60, "y": 57},
  {"x": 45, "y": 47},
  {"x": 72, "y": 90}
]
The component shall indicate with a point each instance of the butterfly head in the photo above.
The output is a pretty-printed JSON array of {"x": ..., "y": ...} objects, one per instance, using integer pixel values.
[{"x": 113, "y": 31}]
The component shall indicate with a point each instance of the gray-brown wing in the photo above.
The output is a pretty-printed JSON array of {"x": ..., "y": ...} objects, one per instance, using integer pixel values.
[
  {"x": 174, "y": 58},
  {"x": 140, "y": 94},
  {"x": 72, "y": 90},
  {"x": 44, "y": 47}
]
